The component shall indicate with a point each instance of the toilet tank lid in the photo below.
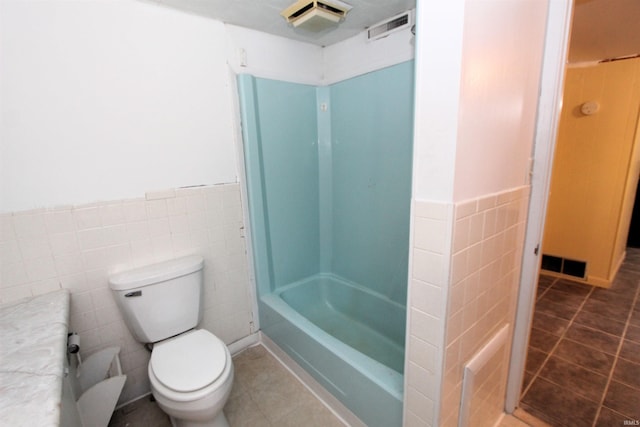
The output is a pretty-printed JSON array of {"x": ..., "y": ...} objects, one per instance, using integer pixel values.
[{"x": 155, "y": 273}]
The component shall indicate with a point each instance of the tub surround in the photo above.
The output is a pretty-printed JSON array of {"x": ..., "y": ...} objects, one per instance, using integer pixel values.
[
  {"x": 333, "y": 215},
  {"x": 336, "y": 222},
  {"x": 34, "y": 344}
]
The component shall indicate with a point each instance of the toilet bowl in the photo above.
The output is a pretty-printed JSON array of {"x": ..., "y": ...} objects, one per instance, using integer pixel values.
[
  {"x": 190, "y": 370},
  {"x": 191, "y": 378}
]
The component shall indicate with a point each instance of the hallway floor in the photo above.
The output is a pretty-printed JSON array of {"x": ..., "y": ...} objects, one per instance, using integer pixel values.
[
  {"x": 583, "y": 362},
  {"x": 264, "y": 394}
]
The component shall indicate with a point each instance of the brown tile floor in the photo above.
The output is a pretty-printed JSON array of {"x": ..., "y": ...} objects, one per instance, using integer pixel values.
[
  {"x": 583, "y": 364},
  {"x": 264, "y": 394}
]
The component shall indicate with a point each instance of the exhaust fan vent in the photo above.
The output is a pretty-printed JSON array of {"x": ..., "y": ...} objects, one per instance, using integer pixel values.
[
  {"x": 383, "y": 29},
  {"x": 315, "y": 15}
]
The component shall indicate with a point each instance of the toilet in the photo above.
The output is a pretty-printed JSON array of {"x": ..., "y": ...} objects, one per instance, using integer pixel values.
[{"x": 191, "y": 371}]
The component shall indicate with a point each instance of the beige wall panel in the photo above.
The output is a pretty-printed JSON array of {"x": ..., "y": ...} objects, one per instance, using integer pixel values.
[{"x": 591, "y": 196}]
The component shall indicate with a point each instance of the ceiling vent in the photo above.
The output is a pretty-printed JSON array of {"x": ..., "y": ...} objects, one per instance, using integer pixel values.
[
  {"x": 391, "y": 25},
  {"x": 315, "y": 15}
]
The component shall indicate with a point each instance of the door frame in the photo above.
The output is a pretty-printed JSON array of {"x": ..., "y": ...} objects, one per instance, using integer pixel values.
[{"x": 556, "y": 46}]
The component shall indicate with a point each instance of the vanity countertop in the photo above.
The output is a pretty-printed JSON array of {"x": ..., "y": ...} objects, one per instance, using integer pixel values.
[{"x": 33, "y": 345}]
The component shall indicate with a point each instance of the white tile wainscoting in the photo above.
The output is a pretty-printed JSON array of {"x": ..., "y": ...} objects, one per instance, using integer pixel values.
[
  {"x": 77, "y": 247},
  {"x": 464, "y": 281}
]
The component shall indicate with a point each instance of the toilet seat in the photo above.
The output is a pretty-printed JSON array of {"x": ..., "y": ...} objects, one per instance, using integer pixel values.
[{"x": 189, "y": 362}]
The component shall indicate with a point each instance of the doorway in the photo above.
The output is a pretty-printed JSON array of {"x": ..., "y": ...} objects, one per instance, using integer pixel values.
[
  {"x": 582, "y": 363},
  {"x": 559, "y": 287}
]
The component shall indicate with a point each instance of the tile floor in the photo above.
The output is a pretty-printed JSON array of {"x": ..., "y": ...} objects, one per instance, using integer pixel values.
[
  {"x": 583, "y": 363},
  {"x": 264, "y": 394}
]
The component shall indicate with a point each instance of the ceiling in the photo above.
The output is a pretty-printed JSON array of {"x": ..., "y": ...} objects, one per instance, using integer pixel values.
[
  {"x": 604, "y": 29},
  {"x": 264, "y": 15}
]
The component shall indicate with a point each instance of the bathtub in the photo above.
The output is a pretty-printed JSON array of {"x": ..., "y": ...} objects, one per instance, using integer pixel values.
[{"x": 350, "y": 339}]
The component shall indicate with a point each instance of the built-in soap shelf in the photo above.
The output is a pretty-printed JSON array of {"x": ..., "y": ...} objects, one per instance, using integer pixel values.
[{"x": 96, "y": 383}]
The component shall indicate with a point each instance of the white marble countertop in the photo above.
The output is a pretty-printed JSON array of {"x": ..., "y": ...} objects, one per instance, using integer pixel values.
[{"x": 33, "y": 345}]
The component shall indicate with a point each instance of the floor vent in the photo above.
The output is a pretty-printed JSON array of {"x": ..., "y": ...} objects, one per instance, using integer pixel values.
[
  {"x": 566, "y": 266},
  {"x": 383, "y": 29}
]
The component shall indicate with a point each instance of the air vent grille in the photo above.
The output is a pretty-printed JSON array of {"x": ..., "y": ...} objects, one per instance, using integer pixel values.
[
  {"x": 300, "y": 8},
  {"x": 315, "y": 15},
  {"x": 392, "y": 25},
  {"x": 566, "y": 266}
]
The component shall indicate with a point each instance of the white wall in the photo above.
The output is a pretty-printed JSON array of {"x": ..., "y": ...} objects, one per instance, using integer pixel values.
[
  {"x": 439, "y": 28},
  {"x": 273, "y": 57},
  {"x": 278, "y": 58},
  {"x": 101, "y": 97},
  {"x": 501, "y": 64},
  {"x": 356, "y": 55},
  {"x": 474, "y": 115}
]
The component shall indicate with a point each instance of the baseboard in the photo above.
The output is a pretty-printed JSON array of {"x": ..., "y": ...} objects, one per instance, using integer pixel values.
[
  {"x": 243, "y": 343},
  {"x": 590, "y": 280}
]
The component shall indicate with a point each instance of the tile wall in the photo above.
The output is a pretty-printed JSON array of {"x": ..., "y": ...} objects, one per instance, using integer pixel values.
[
  {"x": 465, "y": 276},
  {"x": 77, "y": 247},
  {"x": 428, "y": 288}
]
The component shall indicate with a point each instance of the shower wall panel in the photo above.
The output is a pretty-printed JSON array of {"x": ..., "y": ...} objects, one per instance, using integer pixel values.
[
  {"x": 372, "y": 134},
  {"x": 284, "y": 148}
]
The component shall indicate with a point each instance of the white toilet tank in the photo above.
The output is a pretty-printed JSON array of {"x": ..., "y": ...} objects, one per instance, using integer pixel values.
[{"x": 161, "y": 300}]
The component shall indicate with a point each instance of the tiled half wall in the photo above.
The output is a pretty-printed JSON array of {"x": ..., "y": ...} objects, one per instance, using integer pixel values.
[
  {"x": 465, "y": 269},
  {"x": 77, "y": 247}
]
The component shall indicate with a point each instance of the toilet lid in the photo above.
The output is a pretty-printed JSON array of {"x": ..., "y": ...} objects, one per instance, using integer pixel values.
[{"x": 189, "y": 362}]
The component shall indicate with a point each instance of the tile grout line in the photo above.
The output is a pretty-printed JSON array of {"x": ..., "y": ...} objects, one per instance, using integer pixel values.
[
  {"x": 615, "y": 360},
  {"x": 539, "y": 297},
  {"x": 553, "y": 349},
  {"x": 572, "y": 321},
  {"x": 535, "y": 374},
  {"x": 544, "y": 362}
]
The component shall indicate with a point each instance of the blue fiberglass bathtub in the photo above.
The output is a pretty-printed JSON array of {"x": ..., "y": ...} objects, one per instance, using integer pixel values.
[{"x": 350, "y": 339}]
